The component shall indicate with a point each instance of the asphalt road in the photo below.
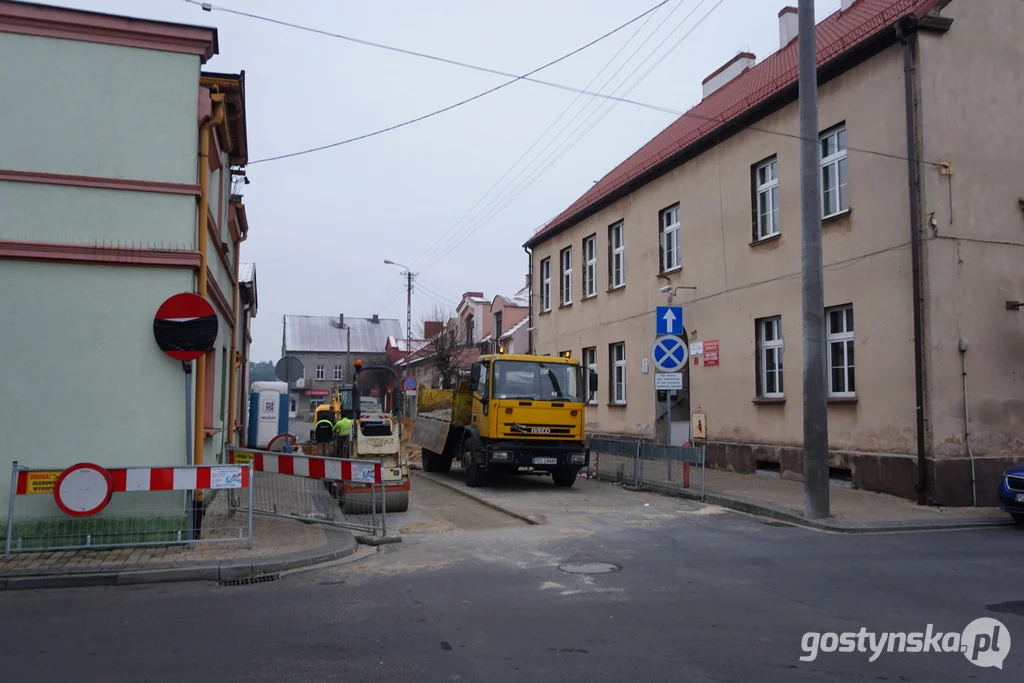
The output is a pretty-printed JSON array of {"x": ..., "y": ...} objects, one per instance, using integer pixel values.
[{"x": 701, "y": 595}]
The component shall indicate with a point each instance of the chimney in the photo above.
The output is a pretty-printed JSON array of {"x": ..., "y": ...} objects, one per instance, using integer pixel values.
[
  {"x": 376, "y": 319},
  {"x": 341, "y": 320},
  {"x": 846, "y": 4},
  {"x": 730, "y": 70},
  {"x": 432, "y": 329},
  {"x": 787, "y": 26}
]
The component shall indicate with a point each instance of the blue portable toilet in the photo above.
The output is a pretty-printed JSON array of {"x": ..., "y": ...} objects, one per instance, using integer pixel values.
[{"x": 268, "y": 412}]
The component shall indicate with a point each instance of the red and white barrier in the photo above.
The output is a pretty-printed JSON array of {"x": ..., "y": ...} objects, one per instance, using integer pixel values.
[
  {"x": 127, "y": 479},
  {"x": 311, "y": 466}
]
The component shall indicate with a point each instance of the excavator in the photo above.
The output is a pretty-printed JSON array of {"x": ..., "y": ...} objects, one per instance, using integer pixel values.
[{"x": 376, "y": 435}]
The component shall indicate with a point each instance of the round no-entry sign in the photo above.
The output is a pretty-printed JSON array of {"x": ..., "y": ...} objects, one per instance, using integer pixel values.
[
  {"x": 83, "y": 489},
  {"x": 185, "y": 326}
]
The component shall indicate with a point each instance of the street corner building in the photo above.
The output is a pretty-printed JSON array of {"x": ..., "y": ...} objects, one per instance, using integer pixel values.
[
  {"x": 923, "y": 244},
  {"x": 118, "y": 176}
]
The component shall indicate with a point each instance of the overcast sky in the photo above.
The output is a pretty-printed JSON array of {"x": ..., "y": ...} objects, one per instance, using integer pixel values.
[{"x": 322, "y": 224}]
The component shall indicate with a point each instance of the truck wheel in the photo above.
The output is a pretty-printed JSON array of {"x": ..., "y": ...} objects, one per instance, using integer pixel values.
[
  {"x": 442, "y": 463},
  {"x": 564, "y": 477},
  {"x": 429, "y": 460},
  {"x": 474, "y": 475}
]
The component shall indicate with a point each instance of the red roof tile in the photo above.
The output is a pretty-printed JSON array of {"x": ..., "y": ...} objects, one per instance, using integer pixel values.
[{"x": 836, "y": 34}]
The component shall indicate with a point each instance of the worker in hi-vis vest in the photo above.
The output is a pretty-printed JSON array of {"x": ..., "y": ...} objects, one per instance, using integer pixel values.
[{"x": 343, "y": 429}]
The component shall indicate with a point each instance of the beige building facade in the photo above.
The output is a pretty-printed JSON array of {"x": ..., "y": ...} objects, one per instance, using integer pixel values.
[{"x": 717, "y": 207}]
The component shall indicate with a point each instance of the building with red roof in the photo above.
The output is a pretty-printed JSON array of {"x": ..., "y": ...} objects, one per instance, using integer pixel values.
[{"x": 920, "y": 190}]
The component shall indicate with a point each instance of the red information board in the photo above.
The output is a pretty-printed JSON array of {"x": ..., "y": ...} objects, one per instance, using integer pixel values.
[{"x": 711, "y": 352}]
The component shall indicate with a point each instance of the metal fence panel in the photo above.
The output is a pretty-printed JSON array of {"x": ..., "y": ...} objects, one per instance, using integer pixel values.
[
  {"x": 306, "y": 487},
  {"x": 643, "y": 463}
]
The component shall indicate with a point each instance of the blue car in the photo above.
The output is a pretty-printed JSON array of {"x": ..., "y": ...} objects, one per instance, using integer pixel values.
[{"x": 1011, "y": 492}]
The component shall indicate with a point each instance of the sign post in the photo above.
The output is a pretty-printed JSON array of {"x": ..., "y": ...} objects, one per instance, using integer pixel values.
[
  {"x": 670, "y": 356},
  {"x": 185, "y": 328}
]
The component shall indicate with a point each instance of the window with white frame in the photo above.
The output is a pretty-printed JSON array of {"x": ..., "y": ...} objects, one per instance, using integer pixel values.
[
  {"x": 565, "y": 271},
  {"x": 833, "y": 172},
  {"x": 617, "y": 365},
  {"x": 545, "y": 284},
  {"x": 589, "y": 364},
  {"x": 766, "y": 188},
  {"x": 590, "y": 266},
  {"x": 669, "y": 234},
  {"x": 841, "y": 382},
  {"x": 337, "y": 373},
  {"x": 769, "y": 357},
  {"x": 616, "y": 256},
  {"x": 319, "y": 372}
]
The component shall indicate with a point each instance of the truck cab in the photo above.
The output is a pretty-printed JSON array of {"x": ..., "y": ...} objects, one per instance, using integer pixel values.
[{"x": 528, "y": 412}]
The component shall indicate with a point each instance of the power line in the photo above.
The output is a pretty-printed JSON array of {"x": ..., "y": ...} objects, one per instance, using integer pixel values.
[
  {"x": 439, "y": 243},
  {"x": 526, "y": 183},
  {"x": 515, "y": 78}
]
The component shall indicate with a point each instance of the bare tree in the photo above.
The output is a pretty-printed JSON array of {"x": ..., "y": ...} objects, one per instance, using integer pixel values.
[{"x": 448, "y": 350}]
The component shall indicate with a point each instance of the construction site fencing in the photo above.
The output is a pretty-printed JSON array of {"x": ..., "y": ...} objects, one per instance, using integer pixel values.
[
  {"x": 88, "y": 506},
  {"x": 644, "y": 464},
  {"x": 308, "y": 488}
]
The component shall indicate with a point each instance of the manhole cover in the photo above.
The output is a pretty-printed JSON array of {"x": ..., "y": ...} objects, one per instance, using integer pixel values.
[{"x": 589, "y": 567}]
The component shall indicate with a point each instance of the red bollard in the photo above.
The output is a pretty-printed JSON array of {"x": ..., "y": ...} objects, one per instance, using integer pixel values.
[{"x": 686, "y": 475}]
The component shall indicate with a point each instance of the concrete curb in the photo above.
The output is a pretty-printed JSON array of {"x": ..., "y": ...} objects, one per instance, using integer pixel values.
[
  {"x": 479, "y": 499},
  {"x": 781, "y": 515},
  {"x": 340, "y": 544}
]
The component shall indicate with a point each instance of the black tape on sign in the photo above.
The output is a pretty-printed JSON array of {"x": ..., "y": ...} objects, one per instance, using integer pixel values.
[{"x": 199, "y": 334}]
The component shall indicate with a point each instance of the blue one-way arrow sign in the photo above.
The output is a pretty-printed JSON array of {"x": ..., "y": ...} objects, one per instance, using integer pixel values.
[{"x": 669, "y": 320}]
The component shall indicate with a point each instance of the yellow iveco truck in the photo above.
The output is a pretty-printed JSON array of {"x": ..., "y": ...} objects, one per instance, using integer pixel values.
[{"x": 515, "y": 412}]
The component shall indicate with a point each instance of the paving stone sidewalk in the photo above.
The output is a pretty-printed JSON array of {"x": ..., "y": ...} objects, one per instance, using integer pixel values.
[{"x": 852, "y": 510}]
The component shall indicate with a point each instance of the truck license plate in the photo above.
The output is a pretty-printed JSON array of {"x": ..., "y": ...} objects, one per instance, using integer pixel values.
[
  {"x": 545, "y": 461},
  {"x": 1020, "y": 497}
]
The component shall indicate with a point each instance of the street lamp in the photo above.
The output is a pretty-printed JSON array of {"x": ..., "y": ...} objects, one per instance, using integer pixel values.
[
  {"x": 670, "y": 291},
  {"x": 408, "y": 308}
]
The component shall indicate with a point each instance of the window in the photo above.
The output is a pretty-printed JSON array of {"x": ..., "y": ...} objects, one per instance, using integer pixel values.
[
  {"x": 211, "y": 381},
  {"x": 833, "y": 172},
  {"x": 617, "y": 365},
  {"x": 766, "y": 189},
  {"x": 840, "y": 352},
  {"x": 469, "y": 330},
  {"x": 319, "y": 372},
  {"x": 545, "y": 284},
  {"x": 337, "y": 373},
  {"x": 498, "y": 331},
  {"x": 565, "y": 282},
  {"x": 769, "y": 357},
  {"x": 669, "y": 233},
  {"x": 589, "y": 364},
  {"x": 590, "y": 266},
  {"x": 616, "y": 256}
]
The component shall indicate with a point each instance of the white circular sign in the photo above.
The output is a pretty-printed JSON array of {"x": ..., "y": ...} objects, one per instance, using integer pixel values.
[{"x": 83, "y": 489}]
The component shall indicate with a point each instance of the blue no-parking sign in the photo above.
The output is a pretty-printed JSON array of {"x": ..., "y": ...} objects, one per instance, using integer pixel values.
[{"x": 669, "y": 353}]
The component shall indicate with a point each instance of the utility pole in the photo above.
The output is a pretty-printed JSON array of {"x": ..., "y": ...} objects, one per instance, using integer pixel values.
[
  {"x": 409, "y": 275},
  {"x": 816, "y": 493}
]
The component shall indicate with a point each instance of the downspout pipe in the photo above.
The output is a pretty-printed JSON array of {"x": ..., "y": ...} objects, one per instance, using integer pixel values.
[
  {"x": 906, "y": 31},
  {"x": 529, "y": 332},
  {"x": 236, "y": 362},
  {"x": 967, "y": 421},
  {"x": 201, "y": 286}
]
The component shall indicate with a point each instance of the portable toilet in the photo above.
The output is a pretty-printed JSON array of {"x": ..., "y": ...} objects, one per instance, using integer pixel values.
[{"x": 268, "y": 412}]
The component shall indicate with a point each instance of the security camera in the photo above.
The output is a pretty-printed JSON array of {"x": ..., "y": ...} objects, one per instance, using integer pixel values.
[{"x": 666, "y": 289}]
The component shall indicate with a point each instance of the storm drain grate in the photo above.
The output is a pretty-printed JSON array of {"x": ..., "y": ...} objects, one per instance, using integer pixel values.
[{"x": 249, "y": 580}]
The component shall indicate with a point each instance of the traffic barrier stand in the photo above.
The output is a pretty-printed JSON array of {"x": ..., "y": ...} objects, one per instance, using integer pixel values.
[
  {"x": 87, "y": 506},
  {"x": 308, "y": 487}
]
